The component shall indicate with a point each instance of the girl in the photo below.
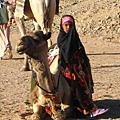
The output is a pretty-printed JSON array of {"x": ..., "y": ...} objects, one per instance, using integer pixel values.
[{"x": 74, "y": 66}]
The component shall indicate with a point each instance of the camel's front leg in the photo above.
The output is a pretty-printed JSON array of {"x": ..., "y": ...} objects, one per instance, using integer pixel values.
[
  {"x": 25, "y": 67},
  {"x": 38, "y": 101},
  {"x": 21, "y": 26}
]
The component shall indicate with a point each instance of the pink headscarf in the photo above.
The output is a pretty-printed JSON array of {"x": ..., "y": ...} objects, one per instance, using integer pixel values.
[{"x": 67, "y": 19}]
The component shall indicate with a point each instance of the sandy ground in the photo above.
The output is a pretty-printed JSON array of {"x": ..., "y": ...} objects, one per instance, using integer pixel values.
[{"x": 104, "y": 56}]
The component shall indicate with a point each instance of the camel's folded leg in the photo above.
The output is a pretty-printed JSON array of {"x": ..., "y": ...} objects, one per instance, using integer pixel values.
[
  {"x": 37, "y": 99},
  {"x": 40, "y": 113}
]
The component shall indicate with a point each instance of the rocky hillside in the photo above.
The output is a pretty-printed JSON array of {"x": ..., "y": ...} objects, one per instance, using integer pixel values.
[{"x": 94, "y": 18}]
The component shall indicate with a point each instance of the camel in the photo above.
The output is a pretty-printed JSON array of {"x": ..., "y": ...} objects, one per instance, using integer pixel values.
[
  {"x": 35, "y": 46},
  {"x": 41, "y": 12}
]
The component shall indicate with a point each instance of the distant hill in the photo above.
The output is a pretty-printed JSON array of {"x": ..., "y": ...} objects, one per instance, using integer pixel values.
[{"x": 96, "y": 18}]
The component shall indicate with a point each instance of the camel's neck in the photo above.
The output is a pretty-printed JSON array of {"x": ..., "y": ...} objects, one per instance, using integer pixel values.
[{"x": 41, "y": 68}]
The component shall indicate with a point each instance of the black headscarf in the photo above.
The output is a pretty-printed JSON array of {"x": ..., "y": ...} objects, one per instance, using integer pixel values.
[{"x": 69, "y": 43}]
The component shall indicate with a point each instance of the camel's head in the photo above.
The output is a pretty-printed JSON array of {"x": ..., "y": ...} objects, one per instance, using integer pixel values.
[{"x": 34, "y": 43}]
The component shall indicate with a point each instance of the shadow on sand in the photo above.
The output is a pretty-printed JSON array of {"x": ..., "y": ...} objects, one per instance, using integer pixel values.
[
  {"x": 114, "y": 109},
  {"x": 24, "y": 115}
]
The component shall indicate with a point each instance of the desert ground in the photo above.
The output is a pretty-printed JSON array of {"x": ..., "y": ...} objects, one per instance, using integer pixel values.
[{"x": 98, "y": 24}]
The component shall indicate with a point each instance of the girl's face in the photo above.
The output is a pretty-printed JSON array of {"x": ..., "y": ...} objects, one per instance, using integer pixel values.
[{"x": 66, "y": 26}]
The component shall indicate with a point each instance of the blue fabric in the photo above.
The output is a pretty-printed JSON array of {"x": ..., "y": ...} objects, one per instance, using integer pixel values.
[{"x": 1, "y": 0}]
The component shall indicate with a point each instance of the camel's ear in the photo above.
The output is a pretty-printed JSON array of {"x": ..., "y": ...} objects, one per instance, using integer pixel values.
[
  {"x": 47, "y": 36},
  {"x": 39, "y": 33}
]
